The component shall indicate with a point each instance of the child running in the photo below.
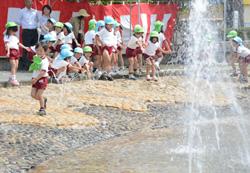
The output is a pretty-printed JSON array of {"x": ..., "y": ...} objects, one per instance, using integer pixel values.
[
  {"x": 150, "y": 55},
  {"x": 243, "y": 54},
  {"x": 12, "y": 45},
  {"x": 134, "y": 43},
  {"x": 40, "y": 67}
]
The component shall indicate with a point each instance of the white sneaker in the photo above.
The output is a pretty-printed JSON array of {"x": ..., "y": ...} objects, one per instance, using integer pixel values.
[
  {"x": 148, "y": 78},
  {"x": 14, "y": 82},
  {"x": 132, "y": 77},
  {"x": 155, "y": 78}
]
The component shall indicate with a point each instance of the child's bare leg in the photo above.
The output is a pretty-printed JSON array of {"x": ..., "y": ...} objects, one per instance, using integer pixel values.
[
  {"x": 33, "y": 93},
  {"x": 13, "y": 68},
  {"x": 106, "y": 61},
  {"x": 121, "y": 58},
  {"x": 153, "y": 67},
  {"x": 131, "y": 65},
  {"x": 39, "y": 96},
  {"x": 139, "y": 56}
]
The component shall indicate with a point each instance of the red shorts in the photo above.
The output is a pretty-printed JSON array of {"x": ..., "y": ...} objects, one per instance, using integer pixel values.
[
  {"x": 146, "y": 56},
  {"x": 130, "y": 53},
  {"x": 58, "y": 47},
  {"x": 246, "y": 59},
  {"x": 52, "y": 72},
  {"x": 42, "y": 83},
  {"x": 14, "y": 54},
  {"x": 138, "y": 50},
  {"x": 119, "y": 48},
  {"x": 108, "y": 48}
]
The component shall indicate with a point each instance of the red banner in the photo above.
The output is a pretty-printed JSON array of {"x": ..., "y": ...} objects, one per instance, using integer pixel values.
[{"x": 63, "y": 11}]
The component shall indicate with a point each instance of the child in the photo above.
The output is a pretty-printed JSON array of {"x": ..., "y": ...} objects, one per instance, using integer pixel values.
[
  {"x": 134, "y": 43},
  {"x": 243, "y": 54},
  {"x": 49, "y": 40},
  {"x": 118, "y": 33},
  {"x": 12, "y": 45},
  {"x": 90, "y": 34},
  {"x": 69, "y": 35},
  {"x": 61, "y": 65},
  {"x": 40, "y": 76},
  {"x": 233, "y": 57},
  {"x": 150, "y": 54},
  {"x": 117, "y": 43},
  {"x": 78, "y": 52},
  {"x": 85, "y": 60},
  {"x": 106, "y": 38},
  {"x": 158, "y": 27},
  {"x": 98, "y": 53},
  {"x": 59, "y": 36}
]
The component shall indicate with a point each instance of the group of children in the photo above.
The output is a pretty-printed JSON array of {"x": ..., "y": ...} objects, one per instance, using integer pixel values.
[
  {"x": 54, "y": 57},
  {"x": 240, "y": 54}
]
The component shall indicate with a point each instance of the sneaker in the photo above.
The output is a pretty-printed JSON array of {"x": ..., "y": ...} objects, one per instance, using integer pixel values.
[
  {"x": 109, "y": 77},
  {"x": 14, "y": 82},
  {"x": 234, "y": 74},
  {"x": 155, "y": 78},
  {"x": 55, "y": 80},
  {"x": 148, "y": 78},
  {"x": 45, "y": 102},
  {"x": 97, "y": 74},
  {"x": 41, "y": 112},
  {"x": 132, "y": 77},
  {"x": 103, "y": 76}
]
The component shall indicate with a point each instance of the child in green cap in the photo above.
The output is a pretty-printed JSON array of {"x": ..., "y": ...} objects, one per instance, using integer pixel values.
[{"x": 12, "y": 45}]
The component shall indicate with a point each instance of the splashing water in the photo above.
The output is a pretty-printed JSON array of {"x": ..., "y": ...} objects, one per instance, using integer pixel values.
[{"x": 206, "y": 79}]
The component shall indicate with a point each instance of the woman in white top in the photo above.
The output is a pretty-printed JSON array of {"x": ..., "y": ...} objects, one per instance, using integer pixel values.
[
  {"x": 243, "y": 54},
  {"x": 12, "y": 45},
  {"x": 43, "y": 19}
]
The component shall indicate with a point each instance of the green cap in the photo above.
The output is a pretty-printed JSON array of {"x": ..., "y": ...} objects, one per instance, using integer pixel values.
[
  {"x": 59, "y": 24},
  {"x": 158, "y": 24},
  {"x": 87, "y": 49},
  {"x": 37, "y": 63},
  {"x": 10, "y": 24},
  {"x": 154, "y": 34},
  {"x": 92, "y": 24},
  {"x": 138, "y": 29},
  {"x": 232, "y": 34}
]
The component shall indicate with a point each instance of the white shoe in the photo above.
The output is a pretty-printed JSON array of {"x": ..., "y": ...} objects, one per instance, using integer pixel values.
[
  {"x": 148, "y": 78},
  {"x": 155, "y": 78},
  {"x": 14, "y": 82}
]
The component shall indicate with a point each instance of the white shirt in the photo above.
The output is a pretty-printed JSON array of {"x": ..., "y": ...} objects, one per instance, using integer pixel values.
[
  {"x": 132, "y": 43},
  {"x": 119, "y": 37},
  {"x": 60, "y": 36},
  {"x": 161, "y": 38},
  {"x": 89, "y": 37},
  {"x": 12, "y": 41},
  {"x": 53, "y": 33},
  {"x": 68, "y": 39},
  {"x": 73, "y": 60},
  {"x": 58, "y": 63},
  {"x": 83, "y": 61},
  {"x": 107, "y": 37},
  {"x": 28, "y": 18},
  {"x": 151, "y": 48},
  {"x": 243, "y": 51},
  {"x": 45, "y": 67},
  {"x": 42, "y": 21}
]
